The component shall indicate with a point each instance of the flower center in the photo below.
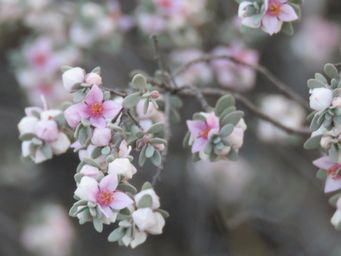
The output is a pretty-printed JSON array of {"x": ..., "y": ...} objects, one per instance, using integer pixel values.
[
  {"x": 96, "y": 109},
  {"x": 274, "y": 9},
  {"x": 204, "y": 133},
  {"x": 332, "y": 171},
  {"x": 105, "y": 197},
  {"x": 165, "y": 3},
  {"x": 40, "y": 59}
]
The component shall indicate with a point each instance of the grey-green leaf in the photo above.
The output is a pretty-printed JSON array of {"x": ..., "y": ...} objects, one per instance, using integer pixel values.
[{"x": 131, "y": 100}]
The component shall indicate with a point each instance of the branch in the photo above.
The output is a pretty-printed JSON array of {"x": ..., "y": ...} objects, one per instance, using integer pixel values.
[{"x": 282, "y": 87}]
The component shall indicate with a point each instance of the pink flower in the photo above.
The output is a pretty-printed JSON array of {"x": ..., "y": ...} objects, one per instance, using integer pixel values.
[
  {"x": 277, "y": 12},
  {"x": 333, "y": 181},
  {"x": 103, "y": 194},
  {"x": 94, "y": 109},
  {"x": 201, "y": 131}
]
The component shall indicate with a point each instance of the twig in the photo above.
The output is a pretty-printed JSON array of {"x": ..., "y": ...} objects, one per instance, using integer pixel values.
[
  {"x": 159, "y": 170},
  {"x": 115, "y": 92},
  {"x": 200, "y": 97},
  {"x": 282, "y": 87},
  {"x": 136, "y": 122}
]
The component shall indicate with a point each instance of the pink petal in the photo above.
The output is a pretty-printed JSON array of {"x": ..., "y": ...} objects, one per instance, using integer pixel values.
[
  {"x": 287, "y": 13},
  {"x": 332, "y": 184},
  {"x": 95, "y": 95},
  {"x": 121, "y": 200},
  {"x": 212, "y": 120},
  {"x": 106, "y": 210},
  {"x": 108, "y": 183},
  {"x": 111, "y": 109},
  {"x": 195, "y": 127},
  {"x": 271, "y": 24},
  {"x": 324, "y": 163},
  {"x": 199, "y": 145},
  {"x": 74, "y": 114},
  {"x": 98, "y": 122}
]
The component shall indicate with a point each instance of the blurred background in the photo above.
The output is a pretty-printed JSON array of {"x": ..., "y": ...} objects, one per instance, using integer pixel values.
[{"x": 267, "y": 203}]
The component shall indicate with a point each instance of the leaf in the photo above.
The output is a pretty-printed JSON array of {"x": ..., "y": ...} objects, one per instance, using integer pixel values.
[
  {"x": 98, "y": 225},
  {"x": 227, "y": 111},
  {"x": 27, "y": 136},
  {"x": 288, "y": 28},
  {"x": 139, "y": 82},
  {"x": 331, "y": 71},
  {"x": 90, "y": 161},
  {"x": 321, "y": 78},
  {"x": 142, "y": 157},
  {"x": 47, "y": 151},
  {"x": 116, "y": 235},
  {"x": 332, "y": 200},
  {"x": 145, "y": 202},
  {"x": 314, "y": 83},
  {"x": 156, "y": 128},
  {"x": 149, "y": 151},
  {"x": 232, "y": 118},
  {"x": 106, "y": 150},
  {"x": 312, "y": 142},
  {"x": 185, "y": 142},
  {"x": 147, "y": 185},
  {"x": 223, "y": 103},
  {"x": 96, "y": 70},
  {"x": 158, "y": 141},
  {"x": 126, "y": 187},
  {"x": 131, "y": 100},
  {"x": 96, "y": 152},
  {"x": 84, "y": 135},
  {"x": 334, "y": 153},
  {"x": 164, "y": 213},
  {"x": 321, "y": 174},
  {"x": 226, "y": 130},
  {"x": 156, "y": 158}
]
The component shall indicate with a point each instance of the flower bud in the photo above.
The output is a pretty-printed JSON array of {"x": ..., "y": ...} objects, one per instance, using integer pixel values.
[
  {"x": 93, "y": 79},
  {"x": 325, "y": 142},
  {"x": 320, "y": 98},
  {"x": 150, "y": 192},
  {"x": 72, "y": 77},
  {"x": 101, "y": 137},
  {"x": 47, "y": 130},
  {"x": 147, "y": 220},
  {"x": 155, "y": 94},
  {"x": 27, "y": 125},
  {"x": 122, "y": 166}
]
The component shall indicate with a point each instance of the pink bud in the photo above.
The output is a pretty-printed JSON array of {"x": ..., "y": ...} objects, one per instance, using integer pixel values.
[
  {"x": 47, "y": 130},
  {"x": 93, "y": 79},
  {"x": 155, "y": 94}
]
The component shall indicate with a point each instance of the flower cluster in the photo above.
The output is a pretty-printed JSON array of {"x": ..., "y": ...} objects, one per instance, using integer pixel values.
[
  {"x": 42, "y": 133},
  {"x": 325, "y": 100},
  {"x": 272, "y": 16},
  {"x": 216, "y": 135}
]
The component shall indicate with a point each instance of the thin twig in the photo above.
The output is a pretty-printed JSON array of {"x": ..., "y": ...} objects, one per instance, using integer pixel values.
[
  {"x": 281, "y": 86},
  {"x": 116, "y": 92},
  {"x": 159, "y": 170},
  {"x": 135, "y": 121},
  {"x": 200, "y": 97}
]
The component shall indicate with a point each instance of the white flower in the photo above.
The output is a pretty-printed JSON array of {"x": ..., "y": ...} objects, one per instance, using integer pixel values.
[
  {"x": 236, "y": 138},
  {"x": 149, "y": 221},
  {"x": 150, "y": 192},
  {"x": 122, "y": 166},
  {"x": 320, "y": 98},
  {"x": 139, "y": 238},
  {"x": 90, "y": 171},
  {"x": 101, "y": 137},
  {"x": 61, "y": 145},
  {"x": 72, "y": 77},
  {"x": 27, "y": 125}
]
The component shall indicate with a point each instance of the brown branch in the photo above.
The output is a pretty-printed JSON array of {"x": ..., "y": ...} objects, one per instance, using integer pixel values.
[{"x": 281, "y": 86}]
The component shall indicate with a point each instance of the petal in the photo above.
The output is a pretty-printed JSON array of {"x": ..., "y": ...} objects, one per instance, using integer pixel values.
[
  {"x": 109, "y": 183},
  {"x": 95, "y": 95},
  {"x": 121, "y": 200},
  {"x": 195, "y": 127},
  {"x": 111, "y": 109},
  {"x": 324, "y": 163},
  {"x": 87, "y": 189},
  {"x": 61, "y": 145},
  {"x": 332, "y": 185},
  {"x": 199, "y": 145},
  {"x": 287, "y": 13},
  {"x": 74, "y": 113},
  {"x": 271, "y": 25},
  {"x": 98, "y": 122},
  {"x": 106, "y": 210},
  {"x": 212, "y": 120},
  {"x": 242, "y": 8}
]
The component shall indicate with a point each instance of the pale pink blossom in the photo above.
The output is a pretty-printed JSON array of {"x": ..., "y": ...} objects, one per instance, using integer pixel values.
[
  {"x": 235, "y": 76},
  {"x": 90, "y": 171},
  {"x": 94, "y": 108},
  {"x": 148, "y": 221},
  {"x": 72, "y": 77},
  {"x": 101, "y": 137},
  {"x": 47, "y": 130},
  {"x": 93, "y": 79},
  {"x": 333, "y": 181},
  {"x": 202, "y": 130},
  {"x": 277, "y": 12},
  {"x": 236, "y": 138},
  {"x": 320, "y": 98},
  {"x": 122, "y": 166},
  {"x": 103, "y": 194}
]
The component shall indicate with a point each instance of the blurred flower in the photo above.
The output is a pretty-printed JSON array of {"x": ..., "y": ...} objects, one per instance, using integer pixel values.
[
  {"x": 73, "y": 77},
  {"x": 333, "y": 180},
  {"x": 48, "y": 231},
  {"x": 283, "y": 110},
  {"x": 235, "y": 76}
]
